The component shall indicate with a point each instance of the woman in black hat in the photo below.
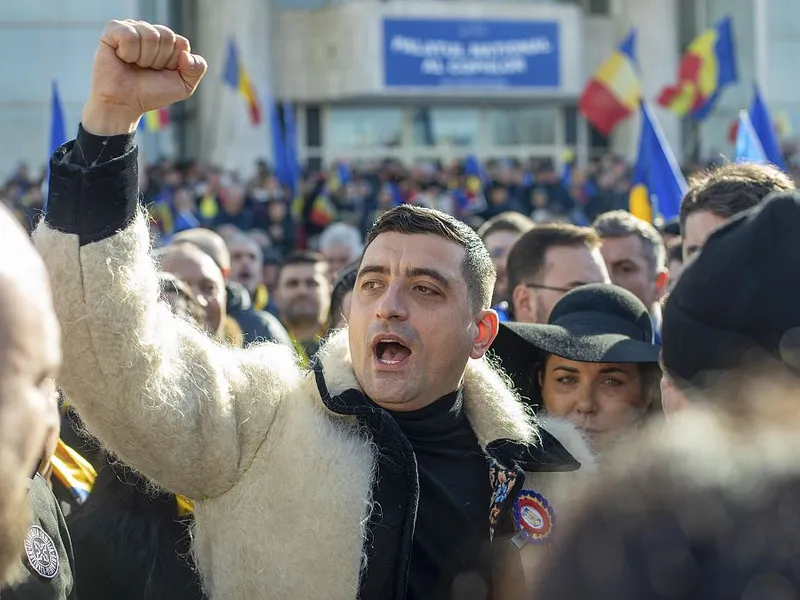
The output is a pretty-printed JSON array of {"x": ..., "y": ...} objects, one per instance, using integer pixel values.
[{"x": 594, "y": 363}]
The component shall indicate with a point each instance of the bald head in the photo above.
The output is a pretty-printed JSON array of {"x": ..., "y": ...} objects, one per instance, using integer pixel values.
[
  {"x": 209, "y": 242},
  {"x": 30, "y": 355},
  {"x": 199, "y": 271}
]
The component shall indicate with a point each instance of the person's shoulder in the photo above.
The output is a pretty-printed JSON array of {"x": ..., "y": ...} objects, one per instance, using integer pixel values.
[{"x": 45, "y": 569}]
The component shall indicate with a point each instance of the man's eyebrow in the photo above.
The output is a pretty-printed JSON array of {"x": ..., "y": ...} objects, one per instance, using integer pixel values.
[
  {"x": 367, "y": 269},
  {"x": 410, "y": 272},
  {"x": 428, "y": 272}
]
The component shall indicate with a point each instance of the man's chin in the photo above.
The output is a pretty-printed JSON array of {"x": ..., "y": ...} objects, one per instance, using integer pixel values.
[{"x": 386, "y": 391}]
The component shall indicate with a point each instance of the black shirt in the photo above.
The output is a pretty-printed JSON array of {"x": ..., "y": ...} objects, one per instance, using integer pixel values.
[{"x": 450, "y": 553}]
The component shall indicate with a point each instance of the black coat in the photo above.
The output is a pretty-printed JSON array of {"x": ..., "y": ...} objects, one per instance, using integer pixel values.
[
  {"x": 47, "y": 560},
  {"x": 130, "y": 543},
  {"x": 256, "y": 325}
]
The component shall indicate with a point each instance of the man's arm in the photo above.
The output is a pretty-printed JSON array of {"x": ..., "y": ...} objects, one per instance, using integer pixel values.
[{"x": 167, "y": 399}]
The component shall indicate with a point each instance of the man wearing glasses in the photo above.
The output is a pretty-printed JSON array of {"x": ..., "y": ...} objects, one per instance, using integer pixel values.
[{"x": 546, "y": 263}]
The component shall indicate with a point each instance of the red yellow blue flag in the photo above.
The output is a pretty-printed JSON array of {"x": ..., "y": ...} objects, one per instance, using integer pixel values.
[
  {"x": 154, "y": 120},
  {"x": 613, "y": 92},
  {"x": 708, "y": 65},
  {"x": 237, "y": 78}
]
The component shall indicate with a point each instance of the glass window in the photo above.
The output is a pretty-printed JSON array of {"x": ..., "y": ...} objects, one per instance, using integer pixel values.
[
  {"x": 365, "y": 127},
  {"x": 598, "y": 7},
  {"x": 313, "y": 129},
  {"x": 532, "y": 126},
  {"x": 458, "y": 127}
]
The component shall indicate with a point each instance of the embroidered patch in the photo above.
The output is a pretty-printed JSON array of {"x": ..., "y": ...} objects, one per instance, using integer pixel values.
[
  {"x": 533, "y": 516},
  {"x": 41, "y": 552},
  {"x": 502, "y": 481}
]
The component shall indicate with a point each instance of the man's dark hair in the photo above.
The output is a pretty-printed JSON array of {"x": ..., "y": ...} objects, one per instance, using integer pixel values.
[
  {"x": 621, "y": 223},
  {"x": 506, "y": 221},
  {"x": 477, "y": 267},
  {"x": 303, "y": 257},
  {"x": 732, "y": 188},
  {"x": 343, "y": 284},
  {"x": 526, "y": 260}
]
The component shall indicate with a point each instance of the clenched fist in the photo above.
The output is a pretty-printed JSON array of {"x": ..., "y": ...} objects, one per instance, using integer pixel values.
[{"x": 138, "y": 67}]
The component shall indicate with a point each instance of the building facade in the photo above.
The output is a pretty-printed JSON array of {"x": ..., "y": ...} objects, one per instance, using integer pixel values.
[{"x": 411, "y": 79}]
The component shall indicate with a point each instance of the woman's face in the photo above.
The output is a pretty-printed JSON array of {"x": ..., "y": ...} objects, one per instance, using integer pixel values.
[{"x": 602, "y": 399}]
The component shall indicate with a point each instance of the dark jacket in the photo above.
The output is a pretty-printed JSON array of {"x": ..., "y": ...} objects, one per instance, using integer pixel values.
[
  {"x": 256, "y": 325},
  {"x": 47, "y": 564},
  {"x": 130, "y": 543}
]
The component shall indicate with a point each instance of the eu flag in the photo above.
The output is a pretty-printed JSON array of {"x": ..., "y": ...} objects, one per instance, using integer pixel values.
[
  {"x": 748, "y": 146},
  {"x": 58, "y": 132},
  {"x": 762, "y": 125},
  {"x": 58, "y": 135},
  {"x": 290, "y": 148}
]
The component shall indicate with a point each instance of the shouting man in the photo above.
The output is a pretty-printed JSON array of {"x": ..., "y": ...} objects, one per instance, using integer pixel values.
[{"x": 398, "y": 466}]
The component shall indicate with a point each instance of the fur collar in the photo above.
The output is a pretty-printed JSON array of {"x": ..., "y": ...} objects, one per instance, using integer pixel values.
[{"x": 493, "y": 409}]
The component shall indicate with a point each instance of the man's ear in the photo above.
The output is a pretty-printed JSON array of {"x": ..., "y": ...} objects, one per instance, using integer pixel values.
[
  {"x": 662, "y": 282},
  {"x": 487, "y": 326},
  {"x": 522, "y": 302}
]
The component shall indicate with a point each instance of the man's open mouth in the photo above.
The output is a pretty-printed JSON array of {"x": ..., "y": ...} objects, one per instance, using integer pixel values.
[{"x": 391, "y": 352}]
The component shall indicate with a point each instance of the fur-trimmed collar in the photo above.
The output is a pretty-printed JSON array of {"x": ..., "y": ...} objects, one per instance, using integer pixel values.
[{"x": 493, "y": 409}]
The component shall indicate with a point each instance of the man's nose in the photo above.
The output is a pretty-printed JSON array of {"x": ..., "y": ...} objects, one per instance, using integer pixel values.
[{"x": 393, "y": 304}]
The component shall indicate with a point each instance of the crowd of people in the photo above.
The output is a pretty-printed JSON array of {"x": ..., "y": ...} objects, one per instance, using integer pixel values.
[{"x": 380, "y": 390}]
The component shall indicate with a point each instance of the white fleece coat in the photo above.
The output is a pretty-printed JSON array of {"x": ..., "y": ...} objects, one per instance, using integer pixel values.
[{"x": 282, "y": 485}]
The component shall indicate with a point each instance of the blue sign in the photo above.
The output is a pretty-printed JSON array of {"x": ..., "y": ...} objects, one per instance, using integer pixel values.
[{"x": 471, "y": 53}]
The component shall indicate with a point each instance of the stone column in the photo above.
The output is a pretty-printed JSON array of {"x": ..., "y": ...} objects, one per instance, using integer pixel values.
[{"x": 658, "y": 54}]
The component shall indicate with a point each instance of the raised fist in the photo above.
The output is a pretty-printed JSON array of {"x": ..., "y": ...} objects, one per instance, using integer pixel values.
[{"x": 138, "y": 67}]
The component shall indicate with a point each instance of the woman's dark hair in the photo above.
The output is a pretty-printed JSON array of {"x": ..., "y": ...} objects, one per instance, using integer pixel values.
[{"x": 343, "y": 285}]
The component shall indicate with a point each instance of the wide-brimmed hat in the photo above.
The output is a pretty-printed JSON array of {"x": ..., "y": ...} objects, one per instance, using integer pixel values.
[{"x": 592, "y": 323}]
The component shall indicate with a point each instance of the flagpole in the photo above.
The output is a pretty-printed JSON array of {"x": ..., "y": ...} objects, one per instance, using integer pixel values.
[{"x": 760, "y": 28}]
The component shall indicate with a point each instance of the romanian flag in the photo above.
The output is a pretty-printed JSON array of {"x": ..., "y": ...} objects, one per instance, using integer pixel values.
[
  {"x": 614, "y": 91},
  {"x": 657, "y": 180},
  {"x": 154, "y": 120},
  {"x": 707, "y": 67},
  {"x": 237, "y": 78}
]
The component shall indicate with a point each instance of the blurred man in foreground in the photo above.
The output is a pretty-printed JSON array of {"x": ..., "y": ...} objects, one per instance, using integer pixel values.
[
  {"x": 35, "y": 556},
  {"x": 706, "y": 508}
]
